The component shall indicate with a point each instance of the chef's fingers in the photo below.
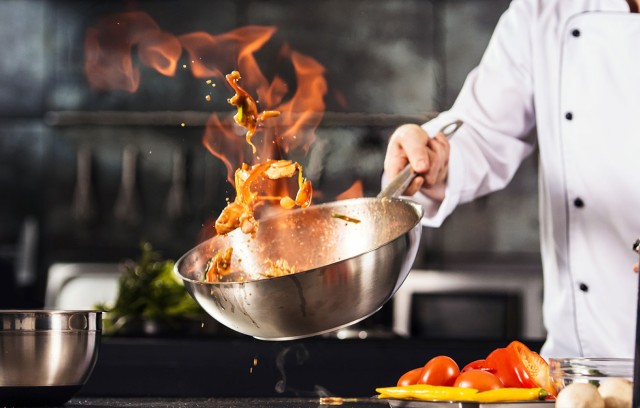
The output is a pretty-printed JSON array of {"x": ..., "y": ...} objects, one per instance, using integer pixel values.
[
  {"x": 414, "y": 186},
  {"x": 438, "y": 148},
  {"x": 408, "y": 144},
  {"x": 635, "y": 267}
]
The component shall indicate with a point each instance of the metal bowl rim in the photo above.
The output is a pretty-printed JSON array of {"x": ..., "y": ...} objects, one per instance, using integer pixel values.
[
  {"x": 47, "y": 311},
  {"x": 415, "y": 205},
  {"x": 594, "y": 359},
  {"x": 50, "y": 321}
]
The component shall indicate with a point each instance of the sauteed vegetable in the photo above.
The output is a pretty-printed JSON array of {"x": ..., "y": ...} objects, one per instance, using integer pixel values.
[
  {"x": 248, "y": 179},
  {"x": 247, "y": 115},
  {"x": 219, "y": 265},
  {"x": 240, "y": 212}
]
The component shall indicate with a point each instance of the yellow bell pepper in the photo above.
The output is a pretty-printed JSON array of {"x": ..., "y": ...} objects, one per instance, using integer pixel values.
[
  {"x": 427, "y": 392},
  {"x": 511, "y": 394}
]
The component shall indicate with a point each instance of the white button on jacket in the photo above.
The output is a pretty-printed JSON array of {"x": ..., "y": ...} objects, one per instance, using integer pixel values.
[{"x": 571, "y": 69}]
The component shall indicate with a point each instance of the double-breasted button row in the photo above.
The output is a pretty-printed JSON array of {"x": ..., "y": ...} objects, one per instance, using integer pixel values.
[{"x": 576, "y": 33}]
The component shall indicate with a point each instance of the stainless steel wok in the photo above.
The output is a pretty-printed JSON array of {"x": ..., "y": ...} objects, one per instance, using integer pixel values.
[{"x": 348, "y": 270}]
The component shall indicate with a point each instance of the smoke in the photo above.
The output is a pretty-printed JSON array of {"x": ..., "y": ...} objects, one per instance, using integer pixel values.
[{"x": 298, "y": 355}]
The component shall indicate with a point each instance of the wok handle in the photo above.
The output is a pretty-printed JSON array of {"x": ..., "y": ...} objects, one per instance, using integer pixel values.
[
  {"x": 636, "y": 361},
  {"x": 400, "y": 183}
]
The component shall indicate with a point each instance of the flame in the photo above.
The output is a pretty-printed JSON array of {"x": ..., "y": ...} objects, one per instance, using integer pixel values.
[
  {"x": 161, "y": 51},
  {"x": 215, "y": 55},
  {"x": 110, "y": 65},
  {"x": 307, "y": 103},
  {"x": 109, "y": 47},
  {"x": 299, "y": 117},
  {"x": 218, "y": 136}
]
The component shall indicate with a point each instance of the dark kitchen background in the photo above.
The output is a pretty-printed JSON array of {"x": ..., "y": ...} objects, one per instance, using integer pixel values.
[{"x": 87, "y": 174}]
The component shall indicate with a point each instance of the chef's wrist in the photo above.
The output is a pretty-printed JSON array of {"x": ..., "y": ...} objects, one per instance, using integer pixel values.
[{"x": 435, "y": 193}]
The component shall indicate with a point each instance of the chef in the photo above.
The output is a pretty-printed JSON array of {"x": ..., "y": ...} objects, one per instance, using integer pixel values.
[{"x": 571, "y": 69}]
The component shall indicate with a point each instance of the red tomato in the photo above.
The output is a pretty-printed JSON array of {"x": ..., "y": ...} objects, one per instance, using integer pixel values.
[
  {"x": 440, "y": 370},
  {"x": 476, "y": 365},
  {"x": 536, "y": 368},
  {"x": 517, "y": 366},
  {"x": 479, "y": 379},
  {"x": 410, "y": 377},
  {"x": 506, "y": 367}
]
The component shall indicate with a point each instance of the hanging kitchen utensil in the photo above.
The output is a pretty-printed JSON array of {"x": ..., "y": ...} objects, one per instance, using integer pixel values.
[
  {"x": 84, "y": 209},
  {"x": 352, "y": 255},
  {"x": 177, "y": 200},
  {"x": 126, "y": 207}
]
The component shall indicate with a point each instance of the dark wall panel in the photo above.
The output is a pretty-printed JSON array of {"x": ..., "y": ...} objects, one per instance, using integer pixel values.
[{"x": 386, "y": 63}]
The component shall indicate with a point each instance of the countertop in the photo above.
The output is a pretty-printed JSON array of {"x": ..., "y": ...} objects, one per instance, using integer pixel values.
[
  {"x": 244, "y": 372},
  {"x": 287, "y": 403},
  {"x": 220, "y": 403}
]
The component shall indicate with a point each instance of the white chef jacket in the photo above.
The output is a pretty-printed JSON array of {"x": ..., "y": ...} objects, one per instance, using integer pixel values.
[{"x": 571, "y": 68}]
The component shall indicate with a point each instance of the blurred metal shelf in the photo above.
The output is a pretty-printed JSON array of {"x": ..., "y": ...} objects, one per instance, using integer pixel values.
[{"x": 198, "y": 118}]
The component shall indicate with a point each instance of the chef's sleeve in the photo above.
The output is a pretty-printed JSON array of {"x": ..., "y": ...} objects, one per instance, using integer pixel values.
[{"x": 497, "y": 108}]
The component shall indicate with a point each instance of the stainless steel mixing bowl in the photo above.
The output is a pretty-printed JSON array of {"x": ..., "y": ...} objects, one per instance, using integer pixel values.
[
  {"x": 46, "y": 356},
  {"x": 348, "y": 270}
]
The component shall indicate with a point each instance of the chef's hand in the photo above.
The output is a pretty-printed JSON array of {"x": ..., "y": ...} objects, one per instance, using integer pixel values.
[
  {"x": 429, "y": 158},
  {"x": 635, "y": 267}
]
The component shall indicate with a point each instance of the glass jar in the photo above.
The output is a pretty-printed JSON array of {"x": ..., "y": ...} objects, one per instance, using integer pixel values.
[{"x": 564, "y": 371}]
